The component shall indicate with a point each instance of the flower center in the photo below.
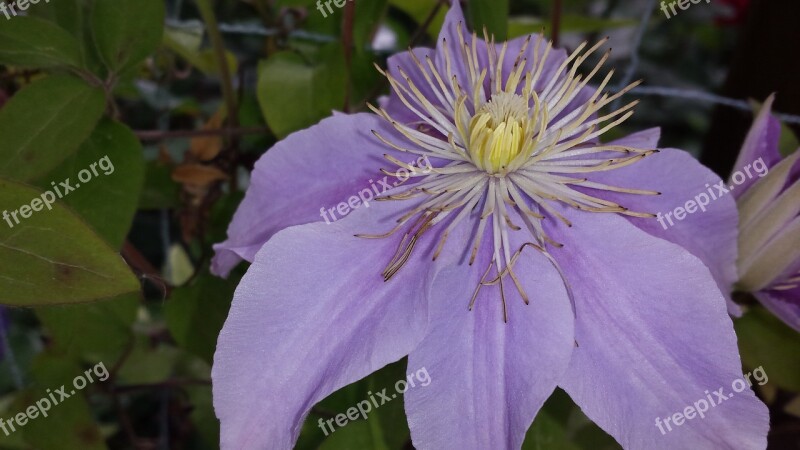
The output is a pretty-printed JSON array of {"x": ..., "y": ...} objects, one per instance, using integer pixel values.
[
  {"x": 498, "y": 131},
  {"x": 515, "y": 146}
]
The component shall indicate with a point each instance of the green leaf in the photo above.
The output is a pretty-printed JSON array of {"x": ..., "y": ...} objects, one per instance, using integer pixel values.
[
  {"x": 560, "y": 425},
  {"x": 73, "y": 16},
  {"x": 96, "y": 332},
  {"x": 420, "y": 10},
  {"x": 492, "y": 14},
  {"x": 385, "y": 426},
  {"x": 44, "y": 123},
  {"x": 160, "y": 191},
  {"x": 295, "y": 94},
  {"x": 355, "y": 435},
  {"x": 127, "y": 31},
  {"x": 186, "y": 42},
  {"x": 195, "y": 314},
  {"x": 149, "y": 363},
  {"x": 36, "y": 43},
  {"x": 788, "y": 142},
  {"x": 522, "y": 26},
  {"x": 765, "y": 341},
  {"x": 69, "y": 424},
  {"x": 52, "y": 257},
  {"x": 109, "y": 200},
  {"x": 65, "y": 13},
  {"x": 367, "y": 19}
]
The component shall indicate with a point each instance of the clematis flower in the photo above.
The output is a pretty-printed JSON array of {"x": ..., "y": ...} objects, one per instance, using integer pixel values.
[
  {"x": 526, "y": 258},
  {"x": 769, "y": 209}
]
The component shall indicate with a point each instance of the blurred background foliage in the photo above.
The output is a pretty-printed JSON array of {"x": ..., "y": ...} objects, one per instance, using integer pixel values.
[{"x": 184, "y": 96}]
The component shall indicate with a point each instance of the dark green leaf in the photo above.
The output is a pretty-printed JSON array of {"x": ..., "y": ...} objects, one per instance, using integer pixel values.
[
  {"x": 765, "y": 341},
  {"x": 195, "y": 314},
  {"x": 160, "y": 191},
  {"x": 367, "y": 19},
  {"x": 560, "y": 425},
  {"x": 420, "y": 10},
  {"x": 37, "y": 43},
  {"x": 521, "y": 26},
  {"x": 492, "y": 14},
  {"x": 99, "y": 331},
  {"x": 69, "y": 424},
  {"x": 127, "y": 31},
  {"x": 360, "y": 435},
  {"x": 109, "y": 201},
  {"x": 52, "y": 257},
  {"x": 186, "y": 42},
  {"x": 44, "y": 123}
]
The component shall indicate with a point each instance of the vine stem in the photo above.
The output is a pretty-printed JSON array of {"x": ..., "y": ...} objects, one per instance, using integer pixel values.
[
  {"x": 218, "y": 45},
  {"x": 556, "y": 21}
]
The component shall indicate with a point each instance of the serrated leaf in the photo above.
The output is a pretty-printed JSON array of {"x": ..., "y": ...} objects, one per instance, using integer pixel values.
[
  {"x": 127, "y": 31},
  {"x": 36, "y": 43},
  {"x": 45, "y": 123},
  {"x": 51, "y": 256},
  {"x": 109, "y": 200}
]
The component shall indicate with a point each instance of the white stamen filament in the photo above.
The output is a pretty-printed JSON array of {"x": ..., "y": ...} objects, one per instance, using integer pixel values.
[{"x": 511, "y": 148}]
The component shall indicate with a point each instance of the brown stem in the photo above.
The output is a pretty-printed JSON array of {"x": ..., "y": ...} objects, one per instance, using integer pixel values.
[
  {"x": 174, "y": 383},
  {"x": 218, "y": 45},
  {"x": 153, "y": 136},
  {"x": 347, "y": 42},
  {"x": 556, "y": 21}
]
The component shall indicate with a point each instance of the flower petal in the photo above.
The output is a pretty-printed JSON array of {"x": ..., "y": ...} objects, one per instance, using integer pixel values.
[
  {"x": 403, "y": 63},
  {"x": 710, "y": 235},
  {"x": 761, "y": 142},
  {"x": 784, "y": 304},
  {"x": 449, "y": 43},
  {"x": 312, "y": 315},
  {"x": 654, "y": 338},
  {"x": 489, "y": 378},
  {"x": 316, "y": 168}
]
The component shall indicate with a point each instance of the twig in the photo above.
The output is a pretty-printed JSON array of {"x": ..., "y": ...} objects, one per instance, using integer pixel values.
[
  {"x": 155, "y": 135},
  {"x": 218, "y": 44},
  {"x": 637, "y": 43},
  {"x": 423, "y": 28},
  {"x": 558, "y": 8},
  {"x": 8, "y": 353},
  {"x": 143, "y": 268},
  {"x": 707, "y": 98},
  {"x": 347, "y": 43},
  {"x": 174, "y": 383}
]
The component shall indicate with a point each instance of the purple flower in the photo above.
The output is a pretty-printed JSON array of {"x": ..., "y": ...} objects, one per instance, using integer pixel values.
[
  {"x": 769, "y": 223},
  {"x": 511, "y": 253}
]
